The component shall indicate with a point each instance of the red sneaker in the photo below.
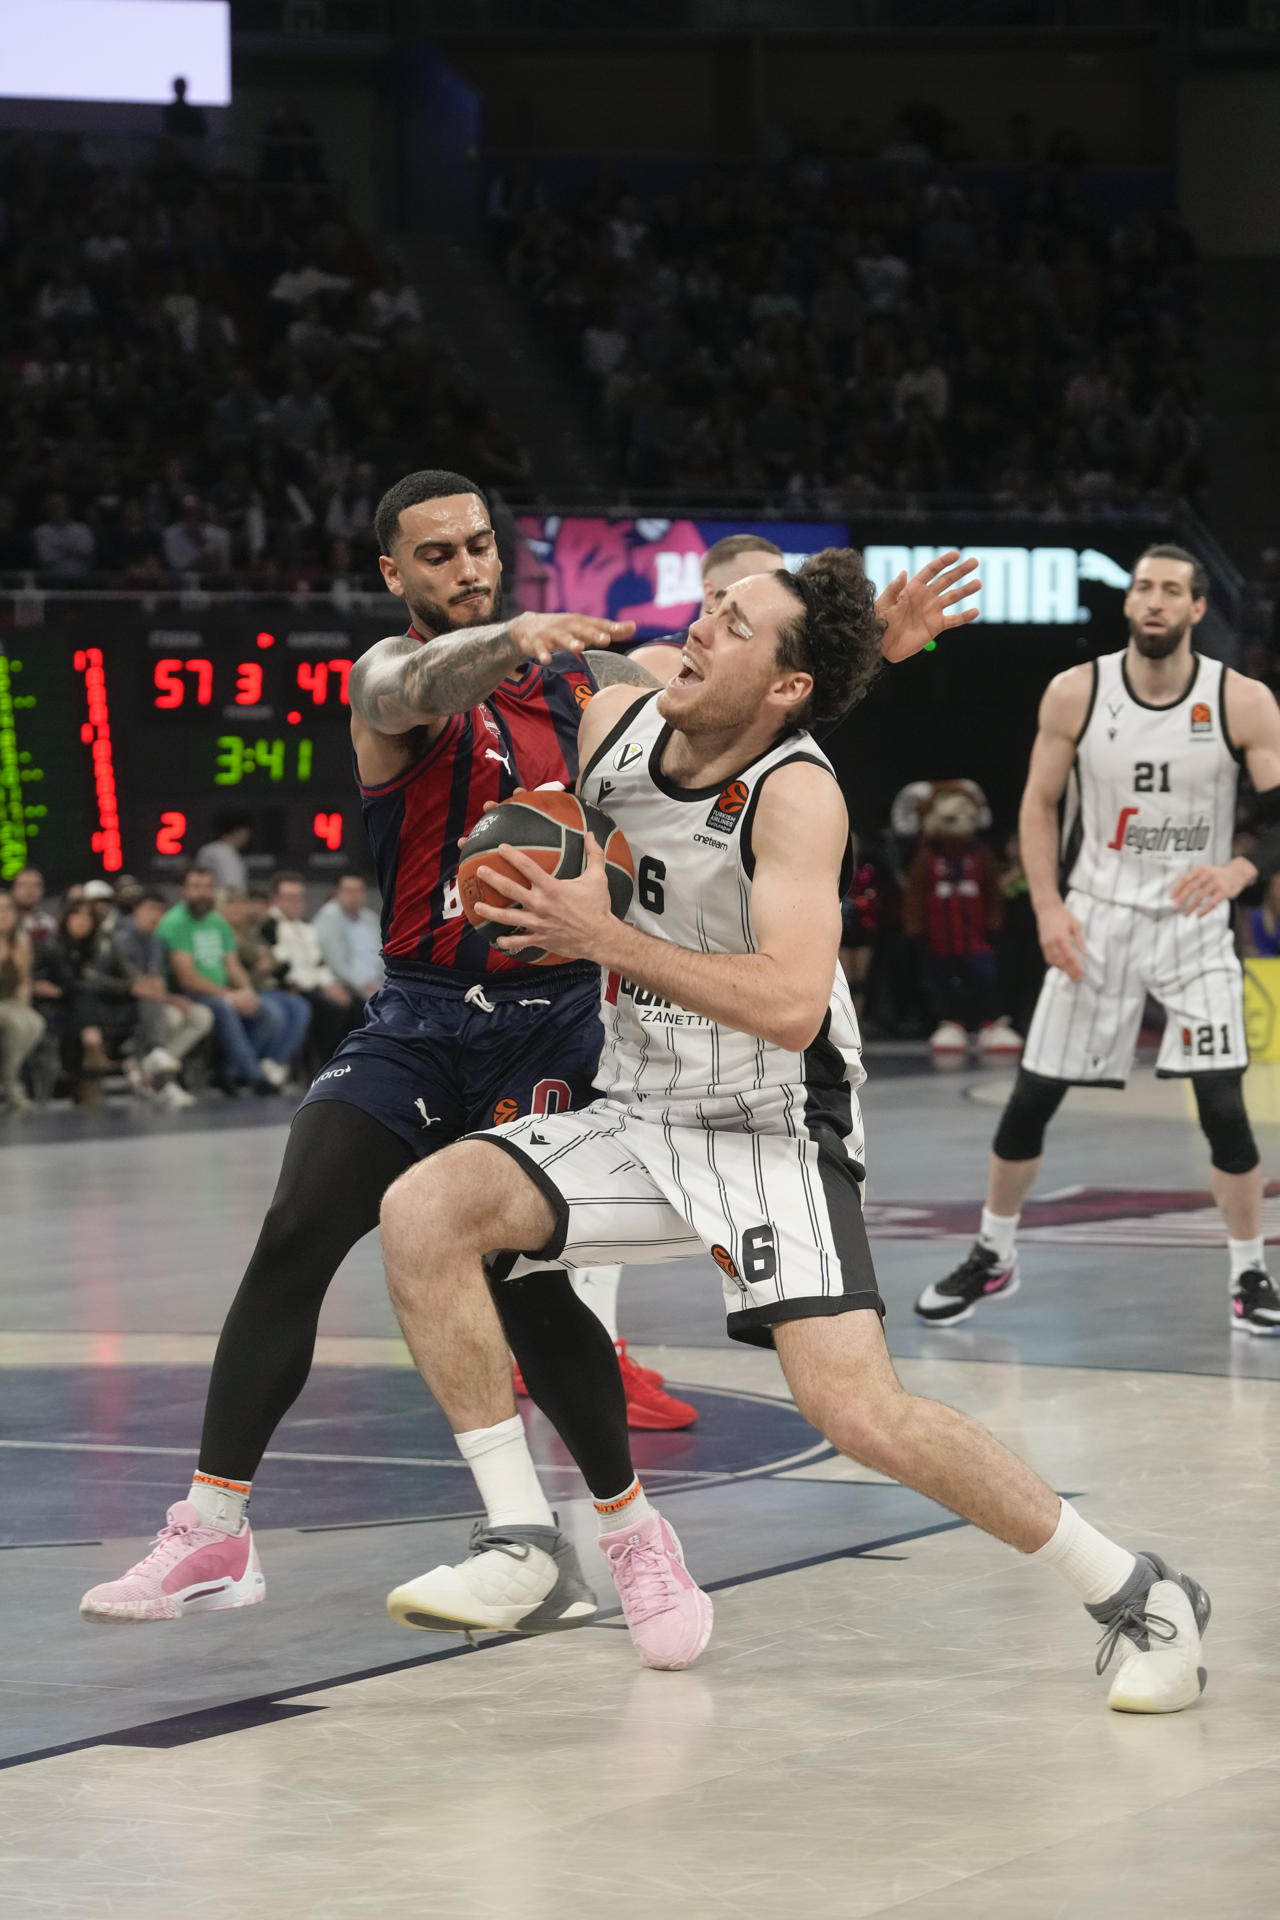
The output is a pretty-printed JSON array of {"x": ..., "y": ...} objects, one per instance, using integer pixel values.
[
  {"x": 650, "y": 1407},
  {"x": 650, "y": 1374}
]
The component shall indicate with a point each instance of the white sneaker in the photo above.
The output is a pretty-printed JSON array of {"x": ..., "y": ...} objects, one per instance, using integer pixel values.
[
  {"x": 160, "y": 1061},
  {"x": 273, "y": 1073},
  {"x": 138, "y": 1081},
  {"x": 175, "y": 1096},
  {"x": 949, "y": 1037},
  {"x": 513, "y": 1580},
  {"x": 998, "y": 1037},
  {"x": 1161, "y": 1616}
]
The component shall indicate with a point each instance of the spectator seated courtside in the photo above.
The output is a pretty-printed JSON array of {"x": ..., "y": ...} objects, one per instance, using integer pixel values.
[
  {"x": 303, "y": 970},
  {"x": 169, "y": 1024},
  {"x": 83, "y": 988},
  {"x": 257, "y": 1033},
  {"x": 21, "y": 1028},
  {"x": 350, "y": 937}
]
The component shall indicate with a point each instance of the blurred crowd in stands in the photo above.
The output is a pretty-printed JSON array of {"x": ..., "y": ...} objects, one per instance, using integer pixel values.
[
  {"x": 123, "y": 988},
  {"x": 203, "y": 373},
  {"x": 842, "y": 334}
]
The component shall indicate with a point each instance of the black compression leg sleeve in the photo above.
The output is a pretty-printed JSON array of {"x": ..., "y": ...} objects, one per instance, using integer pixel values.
[
  {"x": 1030, "y": 1108},
  {"x": 571, "y": 1371},
  {"x": 337, "y": 1165},
  {"x": 1220, "y": 1103}
]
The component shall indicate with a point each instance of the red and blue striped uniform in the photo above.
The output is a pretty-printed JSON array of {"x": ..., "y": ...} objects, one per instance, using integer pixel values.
[{"x": 524, "y": 735}]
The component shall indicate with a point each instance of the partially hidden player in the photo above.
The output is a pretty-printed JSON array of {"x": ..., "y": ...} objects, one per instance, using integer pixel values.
[
  {"x": 726, "y": 1118},
  {"x": 1146, "y": 745}
]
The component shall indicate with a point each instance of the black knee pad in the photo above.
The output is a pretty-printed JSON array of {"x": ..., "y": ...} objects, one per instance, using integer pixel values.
[
  {"x": 1031, "y": 1106},
  {"x": 1220, "y": 1100}
]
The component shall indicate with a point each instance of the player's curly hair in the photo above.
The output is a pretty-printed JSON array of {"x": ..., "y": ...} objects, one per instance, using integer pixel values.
[{"x": 835, "y": 635}]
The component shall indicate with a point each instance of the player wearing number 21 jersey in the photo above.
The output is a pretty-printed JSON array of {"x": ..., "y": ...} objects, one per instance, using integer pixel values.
[
  {"x": 725, "y": 1116},
  {"x": 1145, "y": 748}
]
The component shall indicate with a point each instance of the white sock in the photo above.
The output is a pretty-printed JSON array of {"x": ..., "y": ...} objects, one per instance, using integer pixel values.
[
  {"x": 598, "y": 1286},
  {"x": 627, "y": 1510},
  {"x": 220, "y": 1503},
  {"x": 998, "y": 1231},
  {"x": 504, "y": 1472},
  {"x": 1245, "y": 1256},
  {"x": 1093, "y": 1567}
]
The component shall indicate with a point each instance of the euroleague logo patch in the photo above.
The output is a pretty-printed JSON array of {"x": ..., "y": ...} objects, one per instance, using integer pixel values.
[
  {"x": 1201, "y": 718},
  {"x": 725, "y": 814},
  {"x": 505, "y": 1110},
  {"x": 724, "y": 1260},
  {"x": 583, "y": 693}
]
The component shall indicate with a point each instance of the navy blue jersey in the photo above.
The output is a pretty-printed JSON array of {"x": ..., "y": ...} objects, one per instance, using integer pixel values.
[{"x": 525, "y": 734}]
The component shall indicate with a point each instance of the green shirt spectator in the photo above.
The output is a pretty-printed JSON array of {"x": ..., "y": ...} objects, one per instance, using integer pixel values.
[{"x": 208, "y": 940}]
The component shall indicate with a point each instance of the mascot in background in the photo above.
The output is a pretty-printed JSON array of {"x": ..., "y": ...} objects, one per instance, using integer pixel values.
[{"x": 954, "y": 908}]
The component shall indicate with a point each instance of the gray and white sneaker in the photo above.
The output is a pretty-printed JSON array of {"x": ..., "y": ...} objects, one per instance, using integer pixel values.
[
  {"x": 513, "y": 1580},
  {"x": 981, "y": 1275},
  {"x": 1161, "y": 1615}
]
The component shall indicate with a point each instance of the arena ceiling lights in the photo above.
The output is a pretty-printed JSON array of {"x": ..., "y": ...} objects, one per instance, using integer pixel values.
[{"x": 117, "y": 50}]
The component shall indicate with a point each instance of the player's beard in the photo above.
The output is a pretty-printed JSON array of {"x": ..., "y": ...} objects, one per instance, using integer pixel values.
[
  {"x": 435, "y": 618},
  {"x": 1158, "y": 646}
]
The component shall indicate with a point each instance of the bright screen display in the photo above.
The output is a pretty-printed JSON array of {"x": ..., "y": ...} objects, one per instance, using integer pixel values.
[
  {"x": 649, "y": 571},
  {"x": 125, "y": 50}
]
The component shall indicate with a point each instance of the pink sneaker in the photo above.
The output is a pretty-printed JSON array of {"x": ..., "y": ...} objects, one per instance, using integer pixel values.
[
  {"x": 669, "y": 1617},
  {"x": 191, "y": 1568}
]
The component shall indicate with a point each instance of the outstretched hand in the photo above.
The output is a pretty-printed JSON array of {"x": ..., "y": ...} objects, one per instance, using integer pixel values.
[
  {"x": 916, "y": 610},
  {"x": 568, "y": 917}
]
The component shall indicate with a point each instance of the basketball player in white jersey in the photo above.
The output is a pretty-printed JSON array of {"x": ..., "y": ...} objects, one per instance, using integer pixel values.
[
  {"x": 1146, "y": 746},
  {"x": 726, "y": 1120}
]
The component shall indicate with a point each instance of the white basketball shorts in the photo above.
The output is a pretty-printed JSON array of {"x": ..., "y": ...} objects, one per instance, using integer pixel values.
[
  {"x": 779, "y": 1213},
  {"x": 1086, "y": 1031}
]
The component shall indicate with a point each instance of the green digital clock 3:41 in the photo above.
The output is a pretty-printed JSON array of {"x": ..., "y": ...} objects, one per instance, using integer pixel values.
[{"x": 274, "y": 760}]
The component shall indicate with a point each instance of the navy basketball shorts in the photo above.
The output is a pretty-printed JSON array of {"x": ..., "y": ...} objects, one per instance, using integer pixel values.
[{"x": 438, "y": 1058}]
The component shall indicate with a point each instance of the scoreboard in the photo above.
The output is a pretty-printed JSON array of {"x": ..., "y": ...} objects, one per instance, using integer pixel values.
[{"x": 125, "y": 745}]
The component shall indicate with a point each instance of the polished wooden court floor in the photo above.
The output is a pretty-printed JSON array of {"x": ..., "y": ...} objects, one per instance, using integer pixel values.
[{"x": 895, "y": 1715}]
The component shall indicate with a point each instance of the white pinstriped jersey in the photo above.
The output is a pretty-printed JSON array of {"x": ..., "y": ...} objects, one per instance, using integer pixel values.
[
  {"x": 693, "y": 859},
  {"x": 1155, "y": 789}
]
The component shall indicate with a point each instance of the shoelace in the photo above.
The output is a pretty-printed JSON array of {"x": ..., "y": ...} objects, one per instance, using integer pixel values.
[
  {"x": 1128, "y": 1623},
  {"x": 484, "y": 1541},
  {"x": 170, "y": 1542},
  {"x": 477, "y": 997},
  {"x": 644, "y": 1571},
  {"x": 978, "y": 1261}
]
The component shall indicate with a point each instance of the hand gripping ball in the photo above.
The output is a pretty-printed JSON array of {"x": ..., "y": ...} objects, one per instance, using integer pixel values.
[{"x": 551, "y": 829}]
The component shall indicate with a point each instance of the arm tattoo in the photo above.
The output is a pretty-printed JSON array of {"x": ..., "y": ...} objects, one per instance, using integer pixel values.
[
  {"x": 615, "y": 669},
  {"x": 403, "y": 683}
]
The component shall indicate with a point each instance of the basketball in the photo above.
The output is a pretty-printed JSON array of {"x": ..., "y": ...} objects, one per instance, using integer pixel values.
[{"x": 551, "y": 829}]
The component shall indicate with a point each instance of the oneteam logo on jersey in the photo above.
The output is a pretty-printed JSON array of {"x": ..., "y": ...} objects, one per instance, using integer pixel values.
[
  {"x": 727, "y": 811},
  {"x": 628, "y": 754},
  {"x": 1201, "y": 718}
]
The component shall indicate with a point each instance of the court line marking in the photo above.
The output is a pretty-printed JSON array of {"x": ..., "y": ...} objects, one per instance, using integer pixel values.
[{"x": 280, "y": 1695}]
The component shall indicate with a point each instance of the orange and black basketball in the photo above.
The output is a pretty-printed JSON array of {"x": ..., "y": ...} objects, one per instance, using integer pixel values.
[{"x": 551, "y": 829}]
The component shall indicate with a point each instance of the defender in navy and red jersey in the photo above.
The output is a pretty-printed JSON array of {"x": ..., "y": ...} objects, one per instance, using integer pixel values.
[{"x": 454, "y": 713}]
